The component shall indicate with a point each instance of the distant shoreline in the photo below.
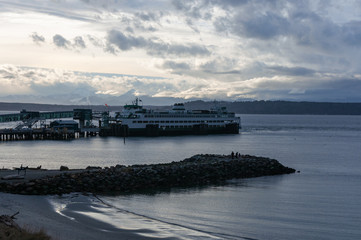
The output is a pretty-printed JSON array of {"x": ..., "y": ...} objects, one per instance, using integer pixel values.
[{"x": 246, "y": 107}]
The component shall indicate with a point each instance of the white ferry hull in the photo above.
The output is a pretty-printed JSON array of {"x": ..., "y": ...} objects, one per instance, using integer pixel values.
[{"x": 136, "y": 121}]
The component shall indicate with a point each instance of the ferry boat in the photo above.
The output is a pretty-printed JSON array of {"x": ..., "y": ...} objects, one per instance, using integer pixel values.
[{"x": 134, "y": 120}]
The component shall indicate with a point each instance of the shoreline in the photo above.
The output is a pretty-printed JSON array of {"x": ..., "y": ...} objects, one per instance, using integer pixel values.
[
  {"x": 37, "y": 213},
  {"x": 38, "y": 197}
]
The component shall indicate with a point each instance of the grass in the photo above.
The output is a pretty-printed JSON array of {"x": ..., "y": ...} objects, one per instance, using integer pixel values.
[{"x": 13, "y": 233}]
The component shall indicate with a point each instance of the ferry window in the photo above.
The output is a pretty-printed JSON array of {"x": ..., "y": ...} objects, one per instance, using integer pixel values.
[
  {"x": 162, "y": 121},
  {"x": 134, "y": 121},
  {"x": 167, "y": 121},
  {"x": 181, "y": 121},
  {"x": 139, "y": 121},
  {"x": 156, "y": 121},
  {"x": 145, "y": 121},
  {"x": 176, "y": 121}
]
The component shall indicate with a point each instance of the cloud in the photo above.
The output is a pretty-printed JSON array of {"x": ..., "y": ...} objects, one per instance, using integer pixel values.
[
  {"x": 64, "y": 9},
  {"x": 95, "y": 41},
  {"x": 292, "y": 71},
  {"x": 59, "y": 86},
  {"x": 176, "y": 65},
  {"x": 221, "y": 49},
  {"x": 194, "y": 9},
  {"x": 60, "y": 41},
  {"x": 38, "y": 39},
  {"x": 153, "y": 47},
  {"x": 124, "y": 42},
  {"x": 351, "y": 33},
  {"x": 79, "y": 42},
  {"x": 263, "y": 27},
  {"x": 147, "y": 16}
]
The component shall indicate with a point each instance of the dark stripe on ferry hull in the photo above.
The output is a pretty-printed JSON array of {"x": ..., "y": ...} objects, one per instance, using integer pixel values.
[{"x": 153, "y": 130}]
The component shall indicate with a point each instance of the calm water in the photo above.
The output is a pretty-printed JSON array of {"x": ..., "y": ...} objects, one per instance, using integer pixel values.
[{"x": 320, "y": 202}]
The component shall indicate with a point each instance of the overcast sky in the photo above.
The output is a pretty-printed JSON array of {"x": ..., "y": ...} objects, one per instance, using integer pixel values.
[{"x": 66, "y": 51}]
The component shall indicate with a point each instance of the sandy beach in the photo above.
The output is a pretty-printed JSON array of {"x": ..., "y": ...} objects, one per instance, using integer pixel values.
[
  {"x": 77, "y": 216},
  {"x": 36, "y": 212}
]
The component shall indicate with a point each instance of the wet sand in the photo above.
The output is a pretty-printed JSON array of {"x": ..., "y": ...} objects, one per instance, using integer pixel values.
[{"x": 36, "y": 212}]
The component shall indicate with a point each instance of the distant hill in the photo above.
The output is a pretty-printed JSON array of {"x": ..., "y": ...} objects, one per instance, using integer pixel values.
[
  {"x": 247, "y": 107},
  {"x": 282, "y": 107}
]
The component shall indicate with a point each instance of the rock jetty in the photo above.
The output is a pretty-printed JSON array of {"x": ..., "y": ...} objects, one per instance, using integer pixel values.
[{"x": 198, "y": 170}]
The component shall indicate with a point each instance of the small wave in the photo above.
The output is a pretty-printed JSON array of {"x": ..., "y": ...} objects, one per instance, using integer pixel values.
[
  {"x": 71, "y": 205},
  {"x": 209, "y": 235}
]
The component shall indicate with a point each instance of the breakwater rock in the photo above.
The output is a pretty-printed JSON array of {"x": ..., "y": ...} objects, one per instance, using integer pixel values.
[{"x": 195, "y": 171}]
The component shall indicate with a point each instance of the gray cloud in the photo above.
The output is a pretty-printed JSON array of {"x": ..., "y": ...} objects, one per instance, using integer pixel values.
[
  {"x": 164, "y": 49},
  {"x": 231, "y": 3},
  {"x": 79, "y": 42},
  {"x": 124, "y": 42},
  {"x": 61, "y": 9},
  {"x": 154, "y": 47},
  {"x": 110, "y": 48},
  {"x": 95, "y": 41},
  {"x": 221, "y": 66},
  {"x": 175, "y": 65},
  {"x": 60, "y": 41},
  {"x": 341, "y": 90},
  {"x": 194, "y": 9},
  {"x": 351, "y": 33},
  {"x": 292, "y": 71},
  {"x": 264, "y": 27},
  {"x": 38, "y": 39},
  {"x": 147, "y": 16}
]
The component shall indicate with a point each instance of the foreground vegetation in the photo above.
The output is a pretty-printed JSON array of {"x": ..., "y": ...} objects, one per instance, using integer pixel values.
[{"x": 9, "y": 230}]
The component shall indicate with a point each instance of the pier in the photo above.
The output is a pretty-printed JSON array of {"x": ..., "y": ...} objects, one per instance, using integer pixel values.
[{"x": 63, "y": 127}]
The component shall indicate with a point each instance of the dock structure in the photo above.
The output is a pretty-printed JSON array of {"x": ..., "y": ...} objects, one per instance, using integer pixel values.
[
  {"x": 24, "y": 115},
  {"x": 64, "y": 126}
]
